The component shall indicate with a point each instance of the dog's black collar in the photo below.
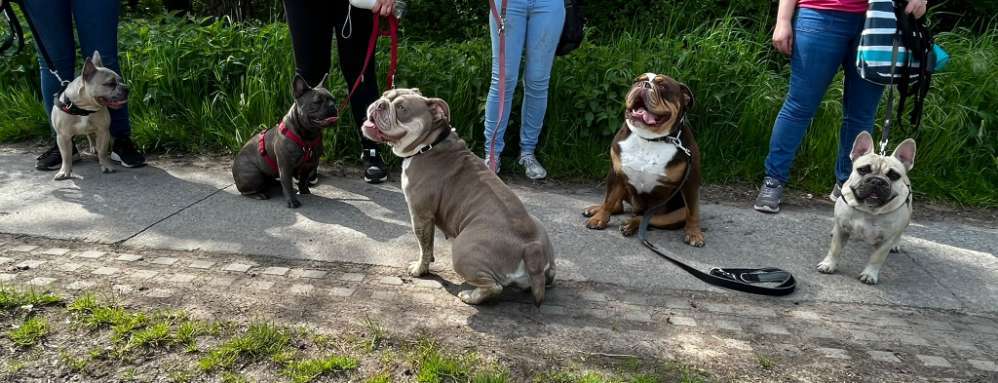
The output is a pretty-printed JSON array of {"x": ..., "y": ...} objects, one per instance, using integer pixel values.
[
  {"x": 673, "y": 135},
  {"x": 443, "y": 136},
  {"x": 70, "y": 108}
]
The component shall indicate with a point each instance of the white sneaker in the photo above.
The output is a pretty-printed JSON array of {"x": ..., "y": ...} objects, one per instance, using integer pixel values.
[
  {"x": 533, "y": 167},
  {"x": 487, "y": 163}
]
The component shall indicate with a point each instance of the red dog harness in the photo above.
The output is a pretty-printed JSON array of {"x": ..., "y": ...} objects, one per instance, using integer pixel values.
[{"x": 307, "y": 147}]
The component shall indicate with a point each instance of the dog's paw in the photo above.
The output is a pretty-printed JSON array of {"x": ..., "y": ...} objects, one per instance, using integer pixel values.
[
  {"x": 694, "y": 238},
  {"x": 896, "y": 249},
  {"x": 591, "y": 211},
  {"x": 418, "y": 269},
  {"x": 62, "y": 176},
  {"x": 629, "y": 228},
  {"x": 106, "y": 169},
  {"x": 869, "y": 277},
  {"x": 826, "y": 267},
  {"x": 596, "y": 223},
  {"x": 471, "y": 297},
  {"x": 293, "y": 203}
]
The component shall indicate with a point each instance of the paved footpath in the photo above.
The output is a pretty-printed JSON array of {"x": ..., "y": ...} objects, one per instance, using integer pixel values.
[{"x": 177, "y": 233}]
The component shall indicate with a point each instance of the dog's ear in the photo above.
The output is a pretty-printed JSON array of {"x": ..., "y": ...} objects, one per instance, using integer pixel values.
[
  {"x": 905, "y": 152},
  {"x": 688, "y": 99},
  {"x": 439, "y": 108},
  {"x": 862, "y": 146},
  {"x": 299, "y": 86},
  {"x": 91, "y": 65},
  {"x": 322, "y": 80}
]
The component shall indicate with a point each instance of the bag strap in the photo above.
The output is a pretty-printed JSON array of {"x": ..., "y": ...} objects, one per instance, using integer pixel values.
[
  {"x": 16, "y": 37},
  {"x": 745, "y": 280}
]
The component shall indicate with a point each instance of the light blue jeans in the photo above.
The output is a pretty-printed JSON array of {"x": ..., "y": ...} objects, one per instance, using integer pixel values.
[
  {"x": 533, "y": 29},
  {"x": 824, "y": 41},
  {"x": 97, "y": 30}
]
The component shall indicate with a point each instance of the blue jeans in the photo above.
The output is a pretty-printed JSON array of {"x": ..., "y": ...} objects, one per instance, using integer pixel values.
[
  {"x": 823, "y": 41},
  {"x": 534, "y": 26},
  {"x": 97, "y": 29}
]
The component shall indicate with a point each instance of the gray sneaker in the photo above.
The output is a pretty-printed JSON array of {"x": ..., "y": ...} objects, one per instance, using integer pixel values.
[
  {"x": 836, "y": 192},
  {"x": 534, "y": 169},
  {"x": 770, "y": 196}
]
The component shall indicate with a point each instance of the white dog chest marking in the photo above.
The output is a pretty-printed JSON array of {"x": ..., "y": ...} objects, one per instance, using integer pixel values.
[{"x": 643, "y": 161}]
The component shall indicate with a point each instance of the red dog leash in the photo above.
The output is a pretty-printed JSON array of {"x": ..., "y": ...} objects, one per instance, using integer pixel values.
[
  {"x": 372, "y": 44},
  {"x": 500, "y": 18}
]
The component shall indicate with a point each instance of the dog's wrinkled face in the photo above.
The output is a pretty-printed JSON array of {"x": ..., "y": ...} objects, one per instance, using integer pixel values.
[
  {"x": 875, "y": 179},
  {"x": 102, "y": 84},
  {"x": 405, "y": 120},
  {"x": 655, "y": 104},
  {"x": 315, "y": 107}
]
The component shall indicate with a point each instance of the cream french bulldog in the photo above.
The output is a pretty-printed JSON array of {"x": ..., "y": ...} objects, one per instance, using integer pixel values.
[
  {"x": 82, "y": 110},
  {"x": 875, "y": 204},
  {"x": 494, "y": 241}
]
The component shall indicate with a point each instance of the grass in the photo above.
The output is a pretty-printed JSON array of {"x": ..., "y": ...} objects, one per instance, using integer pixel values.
[
  {"x": 261, "y": 341},
  {"x": 304, "y": 371},
  {"x": 766, "y": 362},
  {"x": 207, "y": 85},
  {"x": 14, "y": 298},
  {"x": 114, "y": 333},
  {"x": 30, "y": 332}
]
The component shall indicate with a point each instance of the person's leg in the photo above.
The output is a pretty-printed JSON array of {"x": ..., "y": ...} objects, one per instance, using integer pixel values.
[
  {"x": 311, "y": 26},
  {"x": 351, "y": 54},
  {"x": 516, "y": 29},
  {"x": 814, "y": 62},
  {"x": 97, "y": 29},
  {"x": 818, "y": 45},
  {"x": 544, "y": 24},
  {"x": 54, "y": 22},
  {"x": 860, "y": 99},
  {"x": 351, "y": 48}
]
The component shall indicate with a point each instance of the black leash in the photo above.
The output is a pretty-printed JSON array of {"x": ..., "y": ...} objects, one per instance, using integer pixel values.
[{"x": 745, "y": 280}]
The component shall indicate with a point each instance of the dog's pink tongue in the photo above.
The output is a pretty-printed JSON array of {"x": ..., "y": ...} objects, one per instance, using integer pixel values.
[{"x": 645, "y": 117}]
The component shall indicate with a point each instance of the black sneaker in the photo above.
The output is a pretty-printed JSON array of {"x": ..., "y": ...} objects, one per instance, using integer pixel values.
[
  {"x": 123, "y": 150},
  {"x": 52, "y": 159},
  {"x": 374, "y": 167}
]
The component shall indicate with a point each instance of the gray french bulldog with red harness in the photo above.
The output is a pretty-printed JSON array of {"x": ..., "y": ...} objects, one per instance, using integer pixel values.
[{"x": 290, "y": 150}]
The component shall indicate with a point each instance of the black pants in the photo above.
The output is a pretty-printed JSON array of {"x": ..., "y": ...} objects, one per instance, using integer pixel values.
[{"x": 313, "y": 24}]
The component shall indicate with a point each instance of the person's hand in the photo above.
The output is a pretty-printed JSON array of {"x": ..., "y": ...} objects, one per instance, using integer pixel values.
[
  {"x": 385, "y": 7},
  {"x": 916, "y": 8},
  {"x": 783, "y": 37}
]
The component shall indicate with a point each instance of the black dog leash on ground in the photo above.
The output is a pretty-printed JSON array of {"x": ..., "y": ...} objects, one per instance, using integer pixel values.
[{"x": 745, "y": 280}]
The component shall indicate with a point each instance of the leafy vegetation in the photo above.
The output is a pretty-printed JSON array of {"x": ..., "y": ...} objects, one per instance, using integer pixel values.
[{"x": 30, "y": 332}]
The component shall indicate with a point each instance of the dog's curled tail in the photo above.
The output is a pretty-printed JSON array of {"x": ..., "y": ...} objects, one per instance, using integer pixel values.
[{"x": 536, "y": 262}]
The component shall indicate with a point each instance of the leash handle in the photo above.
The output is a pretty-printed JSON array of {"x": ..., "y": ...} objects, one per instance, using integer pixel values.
[
  {"x": 500, "y": 20},
  {"x": 741, "y": 279}
]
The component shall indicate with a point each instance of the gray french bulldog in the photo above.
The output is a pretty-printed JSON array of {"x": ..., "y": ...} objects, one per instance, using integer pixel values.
[
  {"x": 875, "y": 204},
  {"x": 289, "y": 150},
  {"x": 82, "y": 110}
]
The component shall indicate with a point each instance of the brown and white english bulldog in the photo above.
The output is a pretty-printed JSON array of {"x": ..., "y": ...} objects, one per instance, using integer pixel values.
[
  {"x": 649, "y": 156},
  {"x": 495, "y": 243}
]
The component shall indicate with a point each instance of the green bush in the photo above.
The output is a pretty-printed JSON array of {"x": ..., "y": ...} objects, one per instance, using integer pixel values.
[{"x": 209, "y": 86}]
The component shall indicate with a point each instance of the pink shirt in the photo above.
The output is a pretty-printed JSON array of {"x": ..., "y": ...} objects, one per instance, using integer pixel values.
[{"x": 852, "y": 6}]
